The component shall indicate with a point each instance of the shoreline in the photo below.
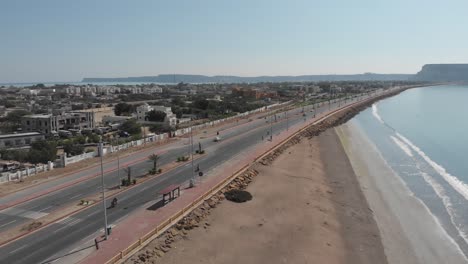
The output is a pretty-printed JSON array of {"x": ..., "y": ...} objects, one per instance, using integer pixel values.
[{"x": 410, "y": 233}]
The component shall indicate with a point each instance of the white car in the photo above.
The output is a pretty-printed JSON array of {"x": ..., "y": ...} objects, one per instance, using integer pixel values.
[{"x": 216, "y": 139}]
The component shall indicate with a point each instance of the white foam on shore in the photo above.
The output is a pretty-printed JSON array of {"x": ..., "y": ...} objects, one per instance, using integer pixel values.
[
  {"x": 375, "y": 113},
  {"x": 356, "y": 131},
  {"x": 440, "y": 191},
  {"x": 458, "y": 185},
  {"x": 403, "y": 146}
]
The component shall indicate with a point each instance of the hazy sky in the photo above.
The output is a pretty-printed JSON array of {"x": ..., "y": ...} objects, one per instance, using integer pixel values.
[{"x": 61, "y": 40}]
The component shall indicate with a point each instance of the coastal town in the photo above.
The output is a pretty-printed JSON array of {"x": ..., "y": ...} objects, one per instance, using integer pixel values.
[{"x": 46, "y": 124}]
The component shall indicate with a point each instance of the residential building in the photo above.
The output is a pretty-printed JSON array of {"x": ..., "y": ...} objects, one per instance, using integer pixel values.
[
  {"x": 169, "y": 120},
  {"x": 19, "y": 139},
  {"x": 141, "y": 112},
  {"x": 49, "y": 124}
]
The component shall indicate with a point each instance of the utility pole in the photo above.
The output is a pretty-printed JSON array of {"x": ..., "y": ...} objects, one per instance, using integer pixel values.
[
  {"x": 271, "y": 128},
  {"x": 103, "y": 190},
  {"x": 192, "y": 180},
  {"x": 314, "y": 108},
  {"x": 118, "y": 166}
]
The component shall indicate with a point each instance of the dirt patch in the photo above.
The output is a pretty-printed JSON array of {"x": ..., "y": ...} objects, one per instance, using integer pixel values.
[
  {"x": 31, "y": 226},
  {"x": 238, "y": 196}
]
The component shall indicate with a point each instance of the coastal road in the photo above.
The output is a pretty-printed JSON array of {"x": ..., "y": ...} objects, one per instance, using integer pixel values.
[
  {"x": 61, "y": 236},
  {"x": 47, "y": 204},
  {"x": 44, "y": 205}
]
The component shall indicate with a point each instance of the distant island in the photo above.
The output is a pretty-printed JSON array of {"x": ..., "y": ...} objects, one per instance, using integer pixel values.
[{"x": 177, "y": 78}]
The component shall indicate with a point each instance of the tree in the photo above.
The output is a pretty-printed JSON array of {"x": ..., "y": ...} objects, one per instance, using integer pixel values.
[
  {"x": 131, "y": 126},
  {"x": 15, "y": 116},
  {"x": 156, "y": 116},
  {"x": 154, "y": 158},
  {"x": 157, "y": 128},
  {"x": 93, "y": 138},
  {"x": 123, "y": 109},
  {"x": 42, "y": 151},
  {"x": 73, "y": 148},
  {"x": 201, "y": 104},
  {"x": 178, "y": 101}
]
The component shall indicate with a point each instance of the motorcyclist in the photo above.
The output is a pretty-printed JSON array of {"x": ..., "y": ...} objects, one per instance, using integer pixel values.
[{"x": 114, "y": 202}]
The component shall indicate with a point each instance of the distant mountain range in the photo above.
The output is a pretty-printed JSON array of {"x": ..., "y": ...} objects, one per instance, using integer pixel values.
[
  {"x": 429, "y": 72},
  {"x": 177, "y": 78}
]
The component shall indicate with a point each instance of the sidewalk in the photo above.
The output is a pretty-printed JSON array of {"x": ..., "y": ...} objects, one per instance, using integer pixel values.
[{"x": 144, "y": 221}]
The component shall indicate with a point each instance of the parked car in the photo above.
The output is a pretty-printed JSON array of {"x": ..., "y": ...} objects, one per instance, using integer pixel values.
[
  {"x": 8, "y": 166},
  {"x": 65, "y": 133},
  {"x": 124, "y": 134},
  {"x": 75, "y": 132}
]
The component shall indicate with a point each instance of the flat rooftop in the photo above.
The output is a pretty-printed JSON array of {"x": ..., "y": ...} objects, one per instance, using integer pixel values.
[
  {"x": 28, "y": 134},
  {"x": 39, "y": 116}
]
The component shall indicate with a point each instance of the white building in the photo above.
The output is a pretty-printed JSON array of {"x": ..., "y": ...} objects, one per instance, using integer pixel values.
[
  {"x": 169, "y": 120},
  {"x": 141, "y": 112}
]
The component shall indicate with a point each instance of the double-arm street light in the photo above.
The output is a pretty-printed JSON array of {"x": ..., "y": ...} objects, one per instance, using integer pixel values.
[{"x": 101, "y": 154}]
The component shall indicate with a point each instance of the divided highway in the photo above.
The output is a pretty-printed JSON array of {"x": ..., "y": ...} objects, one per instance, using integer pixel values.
[{"x": 60, "y": 237}]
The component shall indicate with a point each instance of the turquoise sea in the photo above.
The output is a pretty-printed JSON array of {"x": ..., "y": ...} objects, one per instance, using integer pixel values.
[{"x": 422, "y": 134}]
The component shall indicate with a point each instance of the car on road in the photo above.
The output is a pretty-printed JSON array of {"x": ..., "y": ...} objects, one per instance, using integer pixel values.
[{"x": 217, "y": 139}]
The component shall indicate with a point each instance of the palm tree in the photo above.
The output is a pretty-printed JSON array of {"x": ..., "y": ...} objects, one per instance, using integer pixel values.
[{"x": 154, "y": 158}]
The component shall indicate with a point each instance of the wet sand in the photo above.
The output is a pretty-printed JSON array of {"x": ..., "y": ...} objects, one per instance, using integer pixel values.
[
  {"x": 307, "y": 207},
  {"x": 410, "y": 234}
]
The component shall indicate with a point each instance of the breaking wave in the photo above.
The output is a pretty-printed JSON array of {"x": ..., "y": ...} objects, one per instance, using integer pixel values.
[
  {"x": 403, "y": 146},
  {"x": 375, "y": 112},
  {"x": 459, "y": 186}
]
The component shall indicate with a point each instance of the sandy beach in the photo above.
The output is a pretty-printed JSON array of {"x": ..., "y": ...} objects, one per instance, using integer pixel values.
[
  {"x": 307, "y": 207},
  {"x": 410, "y": 234}
]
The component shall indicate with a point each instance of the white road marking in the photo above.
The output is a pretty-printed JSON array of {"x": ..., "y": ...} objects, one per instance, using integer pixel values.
[
  {"x": 55, "y": 260},
  {"x": 65, "y": 220},
  {"x": 71, "y": 198},
  {"x": 74, "y": 222},
  {"x": 8, "y": 223},
  {"x": 45, "y": 208},
  {"x": 92, "y": 214},
  {"x": 23, "y": 246},
  {"x": 60, "y": 228}
]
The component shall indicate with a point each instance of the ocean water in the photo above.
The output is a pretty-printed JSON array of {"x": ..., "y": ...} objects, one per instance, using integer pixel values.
[{"x": 422, "y": 134}]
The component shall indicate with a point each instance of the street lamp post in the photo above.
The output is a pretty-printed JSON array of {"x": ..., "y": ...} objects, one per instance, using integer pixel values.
[
  {"x": 192, "y": 179},
  {"x": 103, "y": 190},
  {"x": 271, "y": 128}
]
